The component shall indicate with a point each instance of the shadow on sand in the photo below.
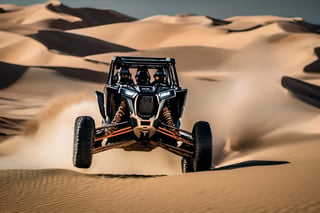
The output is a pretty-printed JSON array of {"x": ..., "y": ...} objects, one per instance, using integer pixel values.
[
  {"x": 10, "y": 73},
  {"x": 304, "y": 91},
  {"x": 123, "y": 176},
  {"x": 250, "y": 163}
]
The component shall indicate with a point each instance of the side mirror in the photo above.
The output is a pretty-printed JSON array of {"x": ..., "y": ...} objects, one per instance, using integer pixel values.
[{"x": 100, "y": 99}]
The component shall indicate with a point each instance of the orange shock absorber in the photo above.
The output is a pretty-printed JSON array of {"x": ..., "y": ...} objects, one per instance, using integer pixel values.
[
  {"x": 120, "y": 112},
  {"x": 118, "y": 116},
  {"x": 167, "y": 115}
]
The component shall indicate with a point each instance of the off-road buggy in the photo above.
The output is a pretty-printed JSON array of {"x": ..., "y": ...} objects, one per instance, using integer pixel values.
[{"x": 142, "y": 117}]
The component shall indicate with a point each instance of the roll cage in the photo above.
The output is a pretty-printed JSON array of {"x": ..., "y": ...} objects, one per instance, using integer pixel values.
[{"x": 150, "y": 63}]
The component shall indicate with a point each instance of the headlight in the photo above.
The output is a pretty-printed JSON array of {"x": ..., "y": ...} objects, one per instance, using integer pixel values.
[
  {"x": 166, "y": 94},
  {"x": 129, "y": 93}
]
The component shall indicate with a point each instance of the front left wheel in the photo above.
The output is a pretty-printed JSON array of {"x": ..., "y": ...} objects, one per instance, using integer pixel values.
[{"x": 84, "y": 131}]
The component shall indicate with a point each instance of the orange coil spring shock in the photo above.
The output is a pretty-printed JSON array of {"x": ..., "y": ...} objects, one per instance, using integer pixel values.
[
  {"x": 167, "y": 116},
  {"x": 118, "y": 116},
  {"x": 120, "y": 112}
]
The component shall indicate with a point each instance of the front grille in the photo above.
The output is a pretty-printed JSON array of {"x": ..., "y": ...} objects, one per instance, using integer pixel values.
[
  {"x": 147, "y": 106},
  {"x": 145, "y": 123}
]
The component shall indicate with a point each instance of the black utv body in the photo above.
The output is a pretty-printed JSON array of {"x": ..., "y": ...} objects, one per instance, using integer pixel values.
[{"x": 139, "y": 117}]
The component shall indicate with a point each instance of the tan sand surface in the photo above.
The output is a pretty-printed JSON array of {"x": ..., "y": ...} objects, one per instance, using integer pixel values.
[{"x": 266, "y": 142}]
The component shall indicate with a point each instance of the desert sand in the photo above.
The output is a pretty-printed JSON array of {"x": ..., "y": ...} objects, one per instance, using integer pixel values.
[{"x": 254, "y": 78}]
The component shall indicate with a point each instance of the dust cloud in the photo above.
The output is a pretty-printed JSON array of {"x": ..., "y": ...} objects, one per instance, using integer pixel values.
[
  {"x": 47, "y": 142},
  {"x": 245, "y": 104}
]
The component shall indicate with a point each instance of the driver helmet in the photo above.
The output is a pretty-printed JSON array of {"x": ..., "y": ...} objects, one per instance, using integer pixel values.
[
  {"x": 124, "y": 75},
  {"x": 160, "y": 76},
  {"x": 142, "y": 76}
]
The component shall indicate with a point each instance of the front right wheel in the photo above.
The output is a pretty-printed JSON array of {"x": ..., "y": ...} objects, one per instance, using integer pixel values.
[{"x": 84, "y": 131}]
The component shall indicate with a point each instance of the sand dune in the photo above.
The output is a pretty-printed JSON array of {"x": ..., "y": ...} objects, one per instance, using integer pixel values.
[
  {"x": 169, "y": 35},
  {"x": 160, "y": 34},
  {"x": 17, "y": 49},
  {"x": 314, "y": 67},
  {"x": 185, "y": 19},
  {"x": 28, "y": 19},
  {"x": 53, "y": 14},
  {"x": 193, "y": 57},
  {"x": 165, "y": 194},
  {"x": 266, "y": 140},
  {"x": 51, "y": 38},
  {"x": 88, "y": 16}
]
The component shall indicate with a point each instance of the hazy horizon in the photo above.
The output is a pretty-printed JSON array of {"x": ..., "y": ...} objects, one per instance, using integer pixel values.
[{"x": 222, "y": 9}]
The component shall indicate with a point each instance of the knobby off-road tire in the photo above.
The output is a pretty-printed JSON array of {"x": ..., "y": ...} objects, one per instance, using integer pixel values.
[
  {"x": 84, "y": 131},
  {"x": 203, "y": 146},
  {"x": 202, "y": 157}
]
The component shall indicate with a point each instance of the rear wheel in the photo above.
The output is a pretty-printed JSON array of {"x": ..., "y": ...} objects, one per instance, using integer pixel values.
[
  {"x": 84, "y": 131},
  {"x": 202, "y": 146}
]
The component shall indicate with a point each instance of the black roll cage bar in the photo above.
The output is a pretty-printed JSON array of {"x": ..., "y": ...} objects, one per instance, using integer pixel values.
[{"x": 119, "y": 61}]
